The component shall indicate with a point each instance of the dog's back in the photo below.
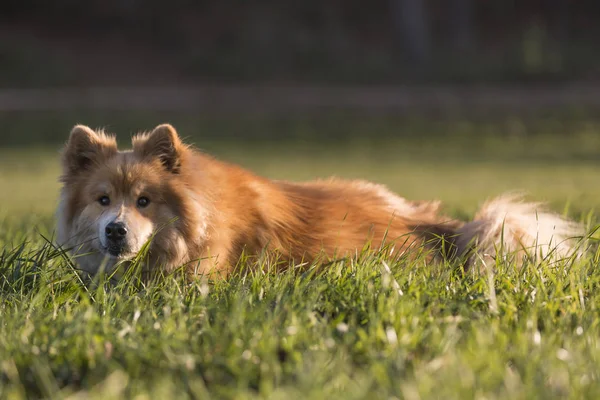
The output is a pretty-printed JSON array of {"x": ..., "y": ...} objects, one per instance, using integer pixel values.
[{"x": 203, "y": 213}]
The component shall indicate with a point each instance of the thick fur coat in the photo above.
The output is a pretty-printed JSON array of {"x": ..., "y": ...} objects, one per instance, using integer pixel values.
[{"x": 200, "y": 213}]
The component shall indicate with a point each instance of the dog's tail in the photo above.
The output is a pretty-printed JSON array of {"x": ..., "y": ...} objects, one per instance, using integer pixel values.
[{"x": 509, "y": 225}]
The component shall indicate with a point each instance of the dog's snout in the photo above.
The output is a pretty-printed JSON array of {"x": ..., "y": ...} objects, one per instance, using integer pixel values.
[{"x": 116, "y": 231}]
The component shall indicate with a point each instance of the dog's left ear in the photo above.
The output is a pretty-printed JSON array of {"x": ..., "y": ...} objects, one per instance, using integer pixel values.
[{"x": 162, "y": 143}]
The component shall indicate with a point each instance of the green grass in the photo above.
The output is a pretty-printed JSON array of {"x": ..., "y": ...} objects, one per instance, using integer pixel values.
[{"x": 355, "y": 330}]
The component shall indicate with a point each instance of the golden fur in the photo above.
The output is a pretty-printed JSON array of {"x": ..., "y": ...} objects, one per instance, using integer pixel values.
[{"x": 204, "y": 213}]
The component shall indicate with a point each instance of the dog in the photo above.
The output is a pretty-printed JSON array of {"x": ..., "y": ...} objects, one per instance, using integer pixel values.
[{"x": 188, "y": 210}]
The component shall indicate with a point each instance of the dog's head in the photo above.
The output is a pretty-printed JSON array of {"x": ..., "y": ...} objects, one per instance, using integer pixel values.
[{"x": 114, "y": 202}]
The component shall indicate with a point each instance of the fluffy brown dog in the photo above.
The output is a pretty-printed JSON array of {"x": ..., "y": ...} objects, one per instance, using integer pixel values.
[{"x": 200, "y": 213}]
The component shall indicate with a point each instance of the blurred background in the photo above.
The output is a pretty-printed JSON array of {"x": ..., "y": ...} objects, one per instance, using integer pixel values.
[
  {"x": 110, "y": 42},
  {"x": 450, "y": 99}
]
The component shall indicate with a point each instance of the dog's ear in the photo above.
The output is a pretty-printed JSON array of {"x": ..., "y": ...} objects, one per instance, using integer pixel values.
[
  {"x": 86, "y": 148},
  {"x": 162, "y": 143}
]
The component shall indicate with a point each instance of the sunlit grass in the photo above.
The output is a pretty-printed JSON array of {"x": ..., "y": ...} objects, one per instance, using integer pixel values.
[{"x": 355, "y": 330}]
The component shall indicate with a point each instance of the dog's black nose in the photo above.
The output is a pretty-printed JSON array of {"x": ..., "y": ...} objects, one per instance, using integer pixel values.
[{"x": 115, "y": 231}]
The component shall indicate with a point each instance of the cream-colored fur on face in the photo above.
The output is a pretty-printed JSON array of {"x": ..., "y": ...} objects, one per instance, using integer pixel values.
[
  {"x": 137, "y": 237},
  {"x": 205, "y": 213}
]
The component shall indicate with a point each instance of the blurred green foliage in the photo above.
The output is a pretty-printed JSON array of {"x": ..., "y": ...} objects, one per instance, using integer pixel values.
[{"x": 118, "y": 42}]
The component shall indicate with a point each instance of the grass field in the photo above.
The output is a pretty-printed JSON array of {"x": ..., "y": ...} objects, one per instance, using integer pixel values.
[{"x": 357, "y": 330}]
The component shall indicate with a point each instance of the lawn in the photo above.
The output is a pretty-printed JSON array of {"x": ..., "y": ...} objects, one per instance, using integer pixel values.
[{"x": 364, "y": 328}]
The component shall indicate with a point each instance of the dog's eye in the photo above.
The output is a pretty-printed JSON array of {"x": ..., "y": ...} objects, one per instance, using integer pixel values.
[
  {"x": 104, "y": 201},
  {"x": 143, "y": 202}
]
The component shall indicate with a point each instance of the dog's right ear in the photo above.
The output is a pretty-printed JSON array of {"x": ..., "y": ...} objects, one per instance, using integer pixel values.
[{"x": 86, "y": 148}]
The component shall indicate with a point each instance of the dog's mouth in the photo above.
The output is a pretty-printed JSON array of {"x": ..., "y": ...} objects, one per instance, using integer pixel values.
[{"x": 117, "y": 252}]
